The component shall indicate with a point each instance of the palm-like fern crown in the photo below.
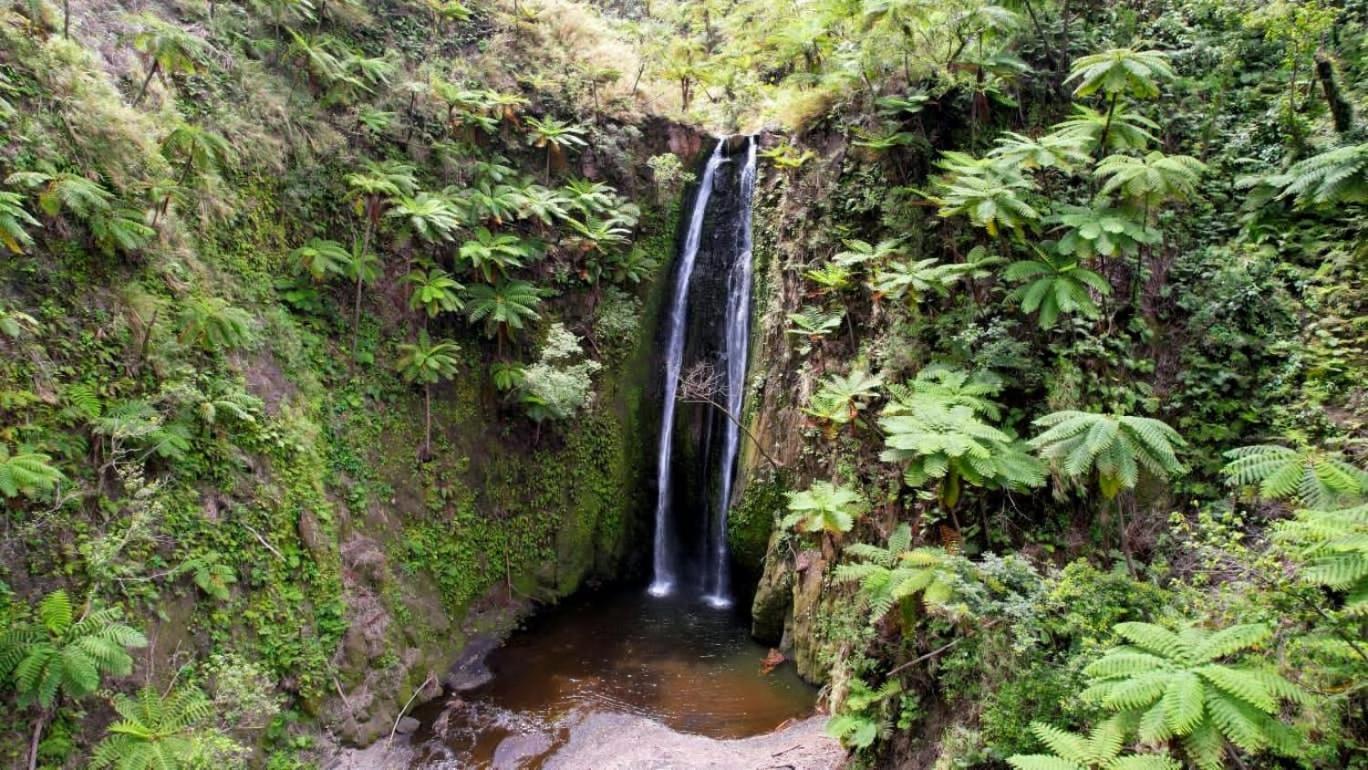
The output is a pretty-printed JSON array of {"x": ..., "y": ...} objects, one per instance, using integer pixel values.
[
  {"x": 26, "y": 473},
  {"x": 213, "y": 324},
  {"x": 1336, "y": 176},
  {"x": 1173, "y": 685},
  {"x": 1125, "y": 129},
  {"x": 1055, "y": 285},
  {"x": 153, "y": 732},
  {"x": 930, "y": 435},
  {"x": 1098, "y": 750},
  {"x": 1309, "y": 475},
  {"x": 434, "y": 291},
  {"x": 321, "y": 258},
  {"x": 841, "y": 397},
  {"x": 1057, "y": 151},
  {"x": 504, "y": 304},
  {"x": 894, "y": 574},
  {"x": 1150, "y": 180},
  {"x": 1334, "y": 548},
  {"x": 1122, "y": 71},
  {"x": 993, "y": 194},
  {"x": 14, "y": 222},
  {"x": 914, "y": 279},
  {"x": 823, "y": 507},
  {"x": 427, "y": 361},
  {"x": 1115, "y": 446},
  {"x": 1089, "y": 232},
  {"x": 950, "y": 387},
  {"x": 65, "y": 655}
]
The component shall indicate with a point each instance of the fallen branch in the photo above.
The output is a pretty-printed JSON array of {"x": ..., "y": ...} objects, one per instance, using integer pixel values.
[{"x": 390, "y": 741}]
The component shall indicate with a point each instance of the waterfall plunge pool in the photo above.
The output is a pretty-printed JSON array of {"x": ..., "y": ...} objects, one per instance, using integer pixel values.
[{"x": 675, "y": 660}]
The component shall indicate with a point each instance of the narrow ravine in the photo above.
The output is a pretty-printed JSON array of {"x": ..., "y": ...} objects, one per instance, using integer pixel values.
[{"x": 671, "y": 670}]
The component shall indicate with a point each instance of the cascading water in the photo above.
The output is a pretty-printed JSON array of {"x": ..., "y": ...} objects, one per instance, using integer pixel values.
[
  {"x": 707, "y": 321},
  {"x": 735, "y": 352},
  {"x": 662, "y": 562}
]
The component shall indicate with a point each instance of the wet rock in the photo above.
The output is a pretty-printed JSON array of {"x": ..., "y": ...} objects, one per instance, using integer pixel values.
[
  {"x": 470, "y": 671},
  {"x": 311, "y": 533},
  {"x": 407, "y": 725},
  {"x": 515, "y": 750},
  {"x": 773, "y": 596},
  {"x": 625, "y": 742}
]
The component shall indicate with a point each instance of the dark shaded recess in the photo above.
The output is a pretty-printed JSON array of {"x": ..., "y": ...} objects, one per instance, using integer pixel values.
[{"x": 698, "y": 434}]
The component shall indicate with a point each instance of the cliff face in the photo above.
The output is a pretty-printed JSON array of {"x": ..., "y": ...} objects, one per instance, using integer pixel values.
[{"x": 790, "y": 212}]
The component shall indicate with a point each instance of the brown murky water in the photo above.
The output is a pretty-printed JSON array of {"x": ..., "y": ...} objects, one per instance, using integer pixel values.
[{"x": 681, "y": 662}]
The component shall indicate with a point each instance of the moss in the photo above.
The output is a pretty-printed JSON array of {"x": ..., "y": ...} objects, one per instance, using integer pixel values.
[{"x": 752, "y": 518}]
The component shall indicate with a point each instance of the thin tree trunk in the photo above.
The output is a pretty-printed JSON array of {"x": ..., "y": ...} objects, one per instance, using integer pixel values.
[
  {"x": 66, "y": 19},
  {"x": 38, "y": 726},
  {"x": 156, "y": 65},
  {"x": 427, "y": 423},
  {"x": 356, "y": 308},
  {"x": 1106, "y": 127}
]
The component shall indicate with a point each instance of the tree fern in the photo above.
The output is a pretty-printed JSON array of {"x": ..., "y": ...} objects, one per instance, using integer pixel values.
[
  {"x": 321, "y": 258},
  {"x": 1310, "y": 476},
  {"x": 1174, "y": 685},
  {"x": 62, "y": 655},
  {"x": 841, "y": 397},
  {"x": 14, "y": 222},
  {"x": 950, "y": 387},
  {"x": 153, "y": 732},
  {"x": 890, "y": 576},
  {"x": 1055, "y": 285},
  {"x": 26, "y": 473},
  {"x": 1114, "y": 446},
  {"x": 947, "y": 444},
  {"x": 1098, "y": 750},
  {"x": 1332, "y": 177},
  {"x": 1333, "y": 548},
  {"x": 823, "y": 507},
  {"x": 211, "y": 324}
]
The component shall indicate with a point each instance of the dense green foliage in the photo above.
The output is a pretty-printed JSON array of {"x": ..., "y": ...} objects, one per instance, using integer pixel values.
[{"x": 327, "y": 328}]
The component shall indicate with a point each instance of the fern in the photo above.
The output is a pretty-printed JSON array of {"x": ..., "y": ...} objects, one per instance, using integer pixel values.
[
  {"x": 1309, "y": 476},
  {"x": 947, "y": 443},
  {"x": 27, "y": 473},
  {"x": 1114, "y": 446},
  {"x": 949, "y": 387},
  {"x": 841, "y": 397},
  {"x": 212, "y": 324},
  {"x": 892, "y": 575},
  {"x": 1333, "y": 548},
  {"x": 1333, "y": 177},
  {"x": 62, "y": 655},
  {"x": 823, "y": 507},
  {"x": 1175, "y": 685},
  {"x": 154, "y": 732},
  {"x": 1099, "y": 750}
]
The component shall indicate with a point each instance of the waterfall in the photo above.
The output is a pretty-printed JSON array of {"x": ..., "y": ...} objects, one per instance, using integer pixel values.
[
  {"x": 735, "y": 351},
  {"x": 663, "y": 568},
  {"x": 707, "y": 320}
]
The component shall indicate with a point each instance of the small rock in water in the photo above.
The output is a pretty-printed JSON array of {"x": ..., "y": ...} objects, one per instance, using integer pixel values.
[
  {"x": 407, "y": 725},
  {"x": 771, "y": 661},
  {"x": 514, "y": 750}
]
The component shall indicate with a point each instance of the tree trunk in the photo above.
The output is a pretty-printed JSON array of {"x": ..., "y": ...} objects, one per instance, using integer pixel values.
[
  {"x": 1340, "y": 109},
  {"x": 1106, "y": 127},
  {"x": 66, "y": 19},
  {"x": 156, "y": 65},
  {"x": 38, "y": 726},
  {"x": 356, "y": 307},
  {"x": 427, "y": 423}
]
